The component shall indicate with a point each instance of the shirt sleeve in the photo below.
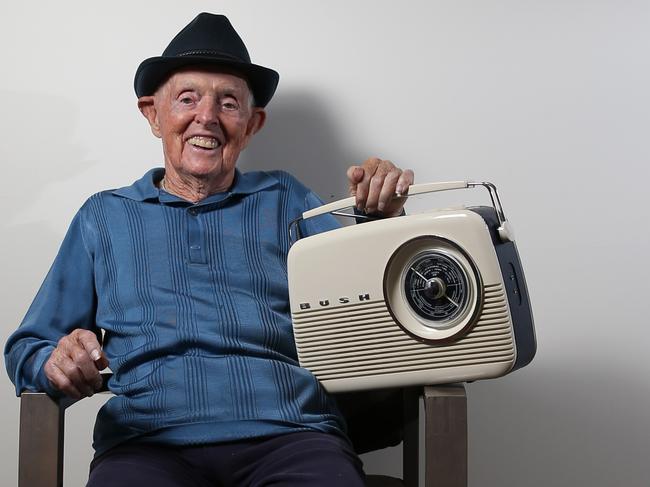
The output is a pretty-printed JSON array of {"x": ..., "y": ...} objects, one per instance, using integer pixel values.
[
  {"x": 323, "y": 223},
  {"x": 317, "y": 224},
  {"x": 66, "y": 301}
]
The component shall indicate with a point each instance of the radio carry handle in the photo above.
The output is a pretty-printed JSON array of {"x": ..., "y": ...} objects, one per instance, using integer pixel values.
[{"x": 334, "y": 208}]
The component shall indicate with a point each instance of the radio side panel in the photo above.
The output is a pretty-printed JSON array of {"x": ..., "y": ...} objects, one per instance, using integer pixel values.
[{"x": 517, "y": 291}]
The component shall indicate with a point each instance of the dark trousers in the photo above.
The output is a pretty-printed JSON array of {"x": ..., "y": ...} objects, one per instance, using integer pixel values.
[{"x": 296, "y": 459}]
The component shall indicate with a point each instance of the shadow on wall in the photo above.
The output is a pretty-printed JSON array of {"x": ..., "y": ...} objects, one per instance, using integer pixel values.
[{"x": 300, "y": 137}]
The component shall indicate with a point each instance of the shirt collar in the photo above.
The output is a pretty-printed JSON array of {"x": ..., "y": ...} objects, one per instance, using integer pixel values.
[{"x": 146, "y": 188}]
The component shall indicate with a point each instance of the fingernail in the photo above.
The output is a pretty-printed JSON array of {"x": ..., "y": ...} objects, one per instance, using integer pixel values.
[
  {"x": 95, "y": 354},
  {"x": 399, "y": 190},
  {"x": 381, "y": 206}
]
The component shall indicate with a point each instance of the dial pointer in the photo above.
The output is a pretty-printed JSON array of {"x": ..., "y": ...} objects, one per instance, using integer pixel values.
[
  {"x": 421, "y": 276},
  {"x": 452, "y": 301}
]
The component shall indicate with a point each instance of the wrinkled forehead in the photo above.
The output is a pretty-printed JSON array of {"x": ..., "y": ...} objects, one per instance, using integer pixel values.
[{"x": 206, "y": 77}]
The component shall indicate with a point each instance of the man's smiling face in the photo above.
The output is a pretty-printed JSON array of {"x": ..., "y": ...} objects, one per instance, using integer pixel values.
[{"x": 205, "y": 119}]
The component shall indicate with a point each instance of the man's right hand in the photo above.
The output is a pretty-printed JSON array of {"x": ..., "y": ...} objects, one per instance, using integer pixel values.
[{"x": 74, "y": 365}]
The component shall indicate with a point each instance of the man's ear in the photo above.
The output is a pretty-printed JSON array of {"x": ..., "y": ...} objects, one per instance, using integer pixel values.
[
  {"x": 256, "y": 121},
  {"x": 255, "y": 124},
  {"x": 148, "y": 109}
]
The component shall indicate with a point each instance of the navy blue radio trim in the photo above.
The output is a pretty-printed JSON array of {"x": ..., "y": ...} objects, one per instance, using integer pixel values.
[{"x": 516, "y": 290}]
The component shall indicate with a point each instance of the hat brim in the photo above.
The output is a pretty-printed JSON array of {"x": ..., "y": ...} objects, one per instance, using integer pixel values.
[{"x": 153, "y": 71}]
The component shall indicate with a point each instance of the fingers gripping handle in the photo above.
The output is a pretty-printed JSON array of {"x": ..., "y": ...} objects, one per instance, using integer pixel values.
[{"x": 413, "y": 190}]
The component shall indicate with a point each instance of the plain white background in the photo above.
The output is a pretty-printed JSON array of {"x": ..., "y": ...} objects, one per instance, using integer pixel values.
[{"x": 549, "y": 100}]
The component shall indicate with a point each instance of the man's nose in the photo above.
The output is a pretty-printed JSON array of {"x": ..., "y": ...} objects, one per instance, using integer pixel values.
[{"x": 207, "y": 111}]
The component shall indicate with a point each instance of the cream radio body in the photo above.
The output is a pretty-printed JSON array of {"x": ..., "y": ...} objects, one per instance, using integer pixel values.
[{"x": 430, "y": 298}]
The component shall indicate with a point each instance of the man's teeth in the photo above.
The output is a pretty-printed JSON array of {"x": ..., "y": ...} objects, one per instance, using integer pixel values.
[{"x": 205, "y": 142}]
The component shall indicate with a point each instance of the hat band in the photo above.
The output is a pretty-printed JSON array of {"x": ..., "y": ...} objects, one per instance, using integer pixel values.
[{"x": 206, "y": 52}]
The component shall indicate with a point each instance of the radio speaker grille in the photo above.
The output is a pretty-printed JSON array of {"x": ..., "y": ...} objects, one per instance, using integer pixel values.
[{"x": 362, "y": 339}]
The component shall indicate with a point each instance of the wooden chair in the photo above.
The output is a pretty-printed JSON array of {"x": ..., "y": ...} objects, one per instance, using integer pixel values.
[{"x": 434, "y": 432}]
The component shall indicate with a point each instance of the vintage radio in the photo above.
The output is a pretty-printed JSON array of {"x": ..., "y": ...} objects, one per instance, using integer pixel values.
[{"x": 429, "y": 298}]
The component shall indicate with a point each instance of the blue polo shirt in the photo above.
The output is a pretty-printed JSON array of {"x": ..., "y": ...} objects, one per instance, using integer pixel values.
[{"x": 193, "y": 301}]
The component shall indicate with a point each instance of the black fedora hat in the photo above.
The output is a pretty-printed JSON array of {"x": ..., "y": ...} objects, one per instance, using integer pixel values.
[{"x": 209, "y": 40}]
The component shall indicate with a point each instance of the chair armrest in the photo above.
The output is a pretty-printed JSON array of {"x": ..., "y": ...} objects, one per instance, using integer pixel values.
[
  {"x": 440, "y": 427},
  {"x": 445, "y": 435},
  {"x": 42, "y": 426},
  {"x": 40, "y": 452}
]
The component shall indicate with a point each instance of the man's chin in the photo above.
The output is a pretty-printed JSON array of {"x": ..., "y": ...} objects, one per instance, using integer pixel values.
[
  {"x": 204, "y": 166},
  {"x": 210, "y": 172}
]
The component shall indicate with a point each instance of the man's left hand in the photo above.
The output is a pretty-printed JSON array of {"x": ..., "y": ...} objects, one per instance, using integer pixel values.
[{"x": 374, "y": 185}]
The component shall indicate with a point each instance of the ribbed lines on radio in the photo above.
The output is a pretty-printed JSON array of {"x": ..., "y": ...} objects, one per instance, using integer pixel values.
[
  {"x": 357, "y": 321},
  {"x": 314, "y": 350},
  {"x": 492, "y": 318},
  {"x": 336, "y": 341},
  {"x": 425, "y": 365},
  {"x": 321, "y": 370},
  {"x": 490, "y": 302},
  {"x": 362, "y": 339},
  {"x": 342, "y": 327},
  {"x": 354, "y": 336},
  {"x": 368, "y": 356},
  {"x": 384, "y": 326},
  {"x": 493, "y": 298},
  {"x": 494, "y": 309},
  {"x": 346, "y": 318},
  {"x": 394, "y": 339},
  {"x": 402, "y": 347}
]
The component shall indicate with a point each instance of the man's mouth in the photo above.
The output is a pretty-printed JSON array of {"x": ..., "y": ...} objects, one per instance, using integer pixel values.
[{"x": 204, "y": 142}]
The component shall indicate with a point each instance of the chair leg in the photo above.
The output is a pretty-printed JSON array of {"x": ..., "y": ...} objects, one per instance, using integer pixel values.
[
  {"x": 411, "y": 444},
  {"x": 445, "y": 418},
  {"x": 40, "y": 455}
]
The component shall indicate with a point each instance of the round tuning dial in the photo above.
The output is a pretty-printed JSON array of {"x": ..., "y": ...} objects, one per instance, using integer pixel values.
[
  {"x": 436, "y": 287},
  {"x": 433, "y": 289}
]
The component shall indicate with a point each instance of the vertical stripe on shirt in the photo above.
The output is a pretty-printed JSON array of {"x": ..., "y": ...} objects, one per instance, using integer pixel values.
[
  {"x": 187, "y": 329},
  {"x": 283, "y": 224},
  {"x": 112, "y": 288},
  {"x": 97, "y": 209},
  {"x": 259, "y": 278},
  {"x": 147, "y": 307},
  {"x": 239, "y": 373}
]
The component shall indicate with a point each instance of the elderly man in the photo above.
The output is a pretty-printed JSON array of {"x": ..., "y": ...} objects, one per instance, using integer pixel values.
[{"x": 185, "y": 272}]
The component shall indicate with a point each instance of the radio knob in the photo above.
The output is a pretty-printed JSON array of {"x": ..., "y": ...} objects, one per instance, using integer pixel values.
[{"x": 435, "y": 288}]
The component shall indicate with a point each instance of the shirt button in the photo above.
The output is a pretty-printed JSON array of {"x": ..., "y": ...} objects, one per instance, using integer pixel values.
[
  {"x": 193, "y": 211},
  {"x": 195, "y": 247}
]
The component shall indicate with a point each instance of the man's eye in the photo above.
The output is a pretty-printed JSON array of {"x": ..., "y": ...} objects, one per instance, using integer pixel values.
[
  {"x": 229, "y": 105},
  {"x": 186, "y": 98}
]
